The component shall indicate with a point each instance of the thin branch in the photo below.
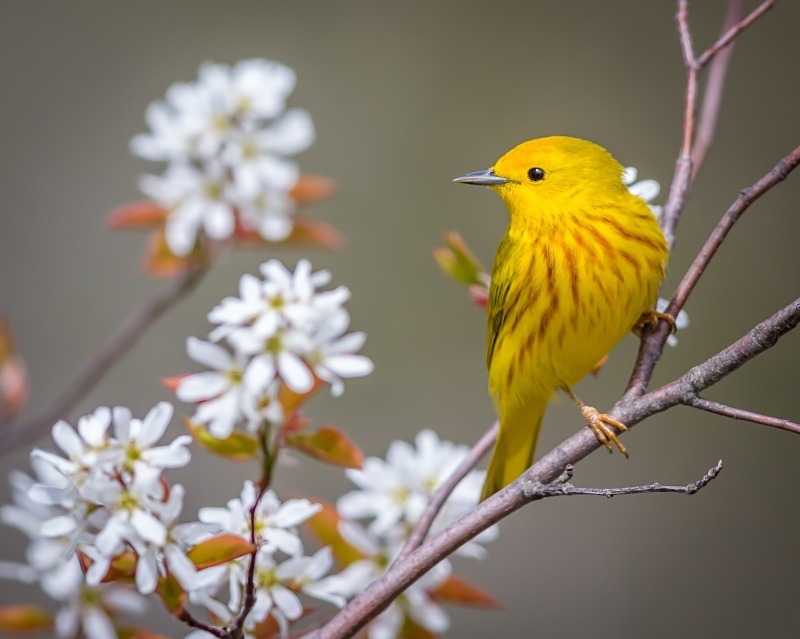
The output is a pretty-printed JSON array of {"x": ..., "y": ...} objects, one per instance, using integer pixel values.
[
  {"x": 363, "y": 608},
  {"x": 187, "y": 618},
  {"x": 739, "y": 413},
  {"x": 24, "y": 431},
  {"x": 652, "y": 347},
  {"x": 419, "y": 532},
  {"x": 733, "y": 33},
  {"x": 682, "y": 179},
  {"x": 561, "y": 489},
  {"x": 712, "y": 95}
]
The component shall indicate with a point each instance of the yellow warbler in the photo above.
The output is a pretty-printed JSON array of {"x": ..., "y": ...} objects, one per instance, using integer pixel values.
[{"x": 578, "y": 268}]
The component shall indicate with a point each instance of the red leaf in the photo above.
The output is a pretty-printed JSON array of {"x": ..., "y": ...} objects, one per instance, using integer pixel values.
[
  {"x": 14, "y": 386},
  {"x": 172, "y": 382},
  {"x": 122, "y": 567},
  {"x": 236, "y": 447},
  {"x": 458, "y": 592},
  {"x": 136, "y": 215},
  {"x": 313, "y": 188},
  {"x": 160, "y": 261},
  {"x": 479, "y": 295},
  {"x": 292, "y": 401},
  {"x": 328, "y": 444},
  {"x": 412, "y": 630},
  {"x": 306, "y": 233},
  {"x": 219, "y": 550},
  {"x": 324, "y": 526},
  {"x": 172, "y": 594},
  {"x": 24, "y": 619},
  {"x": 269, "y": 628}
]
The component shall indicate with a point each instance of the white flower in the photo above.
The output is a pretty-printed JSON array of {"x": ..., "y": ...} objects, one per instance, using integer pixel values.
[
  {"x": 134, "y": 439},
  {"x": 220, "y": 390},
  {"x": 681, "y": 322},
  {"x": 648, "y": 190},
  {"x": 269, "y": 213},
  {"x": 306, "y": 573},
  {"x": 89, "y": 612},
  {"x": 272, "y": 594},
  {"x": 335, "y": 354},
  {"x": 416, "y": 602},
  {"x": 227, "y": 138},
  {"x": 275, "y": 522},
  {"x": 251, "y": 89}
]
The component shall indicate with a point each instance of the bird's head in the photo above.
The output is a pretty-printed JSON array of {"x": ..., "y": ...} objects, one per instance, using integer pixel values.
[{"x": 553, "y": 172}]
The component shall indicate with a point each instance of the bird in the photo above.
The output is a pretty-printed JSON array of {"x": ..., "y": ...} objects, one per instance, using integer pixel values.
[{"x": 578, "y": 268}]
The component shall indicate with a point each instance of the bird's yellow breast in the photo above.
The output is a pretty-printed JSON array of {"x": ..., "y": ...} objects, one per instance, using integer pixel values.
[{"x": 568, "y": 285}]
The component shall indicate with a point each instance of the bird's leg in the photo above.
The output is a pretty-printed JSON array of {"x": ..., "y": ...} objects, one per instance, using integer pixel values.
[
  {"x": 599, "y": 423},
  {"x": 650, "y": 318}
]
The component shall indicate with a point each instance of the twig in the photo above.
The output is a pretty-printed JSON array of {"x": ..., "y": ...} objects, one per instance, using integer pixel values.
[
  {"x": 739, "y": 413},
  {"x": 732, "y": 33},
  {"x": 24, "y": 431},
  {"x": 682, "y": 179},
  {"x": 560, "y": 489},
  {"x": 419, "y": 532},
  {"x": 712, "y": 95},
  {"x": 380, "y": 593},
  {"x": 652, "y": 347},
  {"x": 236, "y": 629},
  {"x": 187, "y": 618}
]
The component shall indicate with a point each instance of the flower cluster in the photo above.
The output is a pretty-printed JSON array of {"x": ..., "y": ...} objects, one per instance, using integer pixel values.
[
  {"x": 392, "y": 495},
  {"x": 225, "y": 139},
  {"x": 105, "y": 495},
  {"x": 282, "y": 570},
  {"x": 281, "y": 331}
]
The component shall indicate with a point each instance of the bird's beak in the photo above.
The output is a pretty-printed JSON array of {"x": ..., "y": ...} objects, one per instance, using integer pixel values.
[{"x": 482, "y": 178}]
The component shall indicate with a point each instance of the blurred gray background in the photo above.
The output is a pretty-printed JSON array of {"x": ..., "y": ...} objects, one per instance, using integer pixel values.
[{"x": 405, "y": 96}]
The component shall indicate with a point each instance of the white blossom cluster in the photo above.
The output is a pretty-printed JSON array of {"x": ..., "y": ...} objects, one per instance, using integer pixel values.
[
  {"x": 281, "y": 329},
  {"x": 392, "y": 496},
  {"x": 102, "y": 496},
  {"x": 226, "y": 139},
  {"x": 282, "y": 570}
]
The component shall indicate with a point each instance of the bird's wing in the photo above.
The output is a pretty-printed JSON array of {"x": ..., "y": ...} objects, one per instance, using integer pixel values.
[{"x": 501, "y": 296}]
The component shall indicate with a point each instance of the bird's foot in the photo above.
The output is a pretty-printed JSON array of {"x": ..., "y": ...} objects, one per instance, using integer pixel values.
[
  {"x": 651, "y": 319},
  {"x": 601, "y": 425}
]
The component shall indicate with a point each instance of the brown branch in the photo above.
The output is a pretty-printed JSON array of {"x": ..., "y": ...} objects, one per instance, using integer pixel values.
[
  {"x": 419, "y": 532},
  {"x": 560, "y": 488},
  {"x": 712, "y": 95},
  {"x": 653, "y": 345},
  {"x": 733, "y": 33},
  {"x": 547, "y": 469},
  {"x": 186, "y": 617},
  {"x": 739, "y": 413},
  {"x": 24, "y": 431},
  {"x": 682, "y": 179}
]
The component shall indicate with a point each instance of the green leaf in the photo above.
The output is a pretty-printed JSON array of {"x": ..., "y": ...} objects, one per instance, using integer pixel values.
[
  {"x": 24, "y": 619},
  {"x": 457, "y": 260},
  {"x": 328, "y": 444},
  {"x": 236, "y": 447},
  {"x": 219, "y": 550}
]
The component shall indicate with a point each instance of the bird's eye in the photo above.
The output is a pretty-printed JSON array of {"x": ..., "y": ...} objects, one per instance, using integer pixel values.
[{"x": 536, "y": 174}]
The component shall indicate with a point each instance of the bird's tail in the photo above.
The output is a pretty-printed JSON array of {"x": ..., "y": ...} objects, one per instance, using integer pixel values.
[{"x": 514, "y": 448}]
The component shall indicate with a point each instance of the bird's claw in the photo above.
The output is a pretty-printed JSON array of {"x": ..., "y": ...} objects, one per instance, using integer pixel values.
[
  {"x": 651, "y": 319},
  {"x": 601, "y": 425}
]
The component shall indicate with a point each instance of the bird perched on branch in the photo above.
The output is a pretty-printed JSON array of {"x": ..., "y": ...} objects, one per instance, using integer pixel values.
[{"x": 578, "y": 268}]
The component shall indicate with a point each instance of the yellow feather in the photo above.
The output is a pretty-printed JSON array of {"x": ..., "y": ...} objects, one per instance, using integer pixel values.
[{"x": 580, "y": 262}]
